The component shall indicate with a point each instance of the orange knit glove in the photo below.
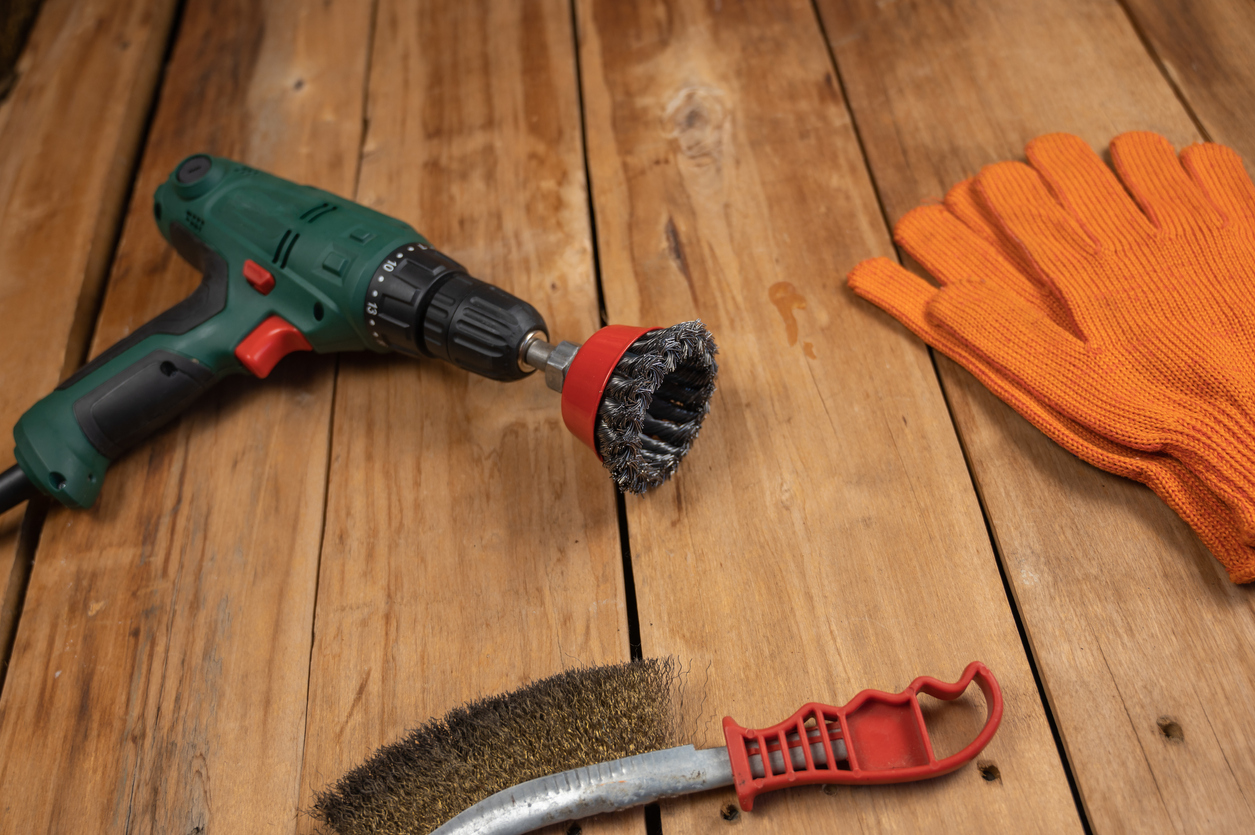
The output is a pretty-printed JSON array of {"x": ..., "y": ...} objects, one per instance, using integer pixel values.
[
  {"x": 963, "y": 243},
  {"x": 1162, "y": 313}
]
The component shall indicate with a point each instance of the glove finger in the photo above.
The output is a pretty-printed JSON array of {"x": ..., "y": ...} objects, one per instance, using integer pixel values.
[
  {"x": 1150, "y": 170},
  {"x": 907, "y": 297},
  {"x": 951, "y": 251},
  {"x": 1219, "y": 172},
  {"x": 1088, "y": 189},
  {"x": 897, "y": 291},
  {"x": 965, "y": 203},
  {"x": 1024, "y": 344},
  {"x": 1030, "y": 215}
]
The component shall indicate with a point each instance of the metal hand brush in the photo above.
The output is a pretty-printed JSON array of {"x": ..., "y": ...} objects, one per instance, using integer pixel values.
[{"x": 603, "y": 739}]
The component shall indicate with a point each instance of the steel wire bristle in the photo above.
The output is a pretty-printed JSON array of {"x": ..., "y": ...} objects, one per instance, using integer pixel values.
[{"x": 653, "y": 404}]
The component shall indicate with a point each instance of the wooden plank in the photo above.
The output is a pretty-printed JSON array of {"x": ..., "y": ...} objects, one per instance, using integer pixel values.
[
  {"x": 823, "y": 535},
  {"x": 90, "y": 69},
  {"x": 471, "y": 542},
  {"x": 1205, "y": 46},
  {"x": 161, "y": 664},
  {"x": 16, "y": 19},
  {"x": 1135, "y": 627}
]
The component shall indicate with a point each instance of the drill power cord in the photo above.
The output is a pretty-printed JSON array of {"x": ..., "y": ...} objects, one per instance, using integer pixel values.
[{"x": 15, "y": 488}]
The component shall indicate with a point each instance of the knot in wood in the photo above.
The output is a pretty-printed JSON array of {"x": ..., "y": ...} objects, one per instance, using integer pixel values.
[{"x": 695, "y": 118}]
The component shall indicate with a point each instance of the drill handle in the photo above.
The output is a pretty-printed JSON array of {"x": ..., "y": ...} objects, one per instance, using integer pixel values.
[{"x": 66, "y": 441}]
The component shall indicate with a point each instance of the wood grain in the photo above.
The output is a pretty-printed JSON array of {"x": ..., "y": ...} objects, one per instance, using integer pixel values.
[
  {"x": 471, "y": 542},
  {"x": 1136, "y": 630},
  {"x": 162, "y": 658},
  {"x": 1205, "y": 46},
  {"x": 823, "y": 535},
  {"x": 89, "y": 69}
]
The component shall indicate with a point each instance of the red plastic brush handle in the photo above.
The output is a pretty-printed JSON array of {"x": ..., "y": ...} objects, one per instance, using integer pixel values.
[
  {"x": 885, "y": 738},
  {"x": 587, "y": 377}
]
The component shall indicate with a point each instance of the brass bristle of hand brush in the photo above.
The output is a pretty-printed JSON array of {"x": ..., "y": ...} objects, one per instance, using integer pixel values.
[{"x": 575, "y": 718}]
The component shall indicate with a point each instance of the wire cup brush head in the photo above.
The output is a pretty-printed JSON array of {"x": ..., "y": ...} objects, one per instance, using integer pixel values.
[{"x": 637, "y": 396}]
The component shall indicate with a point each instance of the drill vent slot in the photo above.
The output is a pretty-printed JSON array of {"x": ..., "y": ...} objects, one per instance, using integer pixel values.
[
  {"x": 311, "y": 215},
  {"x": 195, "y": 221},
  {"x": 284, "y": 250}
]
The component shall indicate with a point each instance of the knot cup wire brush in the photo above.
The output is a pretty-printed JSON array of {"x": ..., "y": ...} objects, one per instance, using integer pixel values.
[
  {"x": 636, "y": 396},
  {"x": 608, "y": 738}
]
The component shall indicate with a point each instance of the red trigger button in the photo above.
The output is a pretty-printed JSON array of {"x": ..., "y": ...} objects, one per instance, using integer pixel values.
[
  {"x": 270, "y": 342},
  {"x": 258, "y": 276}
]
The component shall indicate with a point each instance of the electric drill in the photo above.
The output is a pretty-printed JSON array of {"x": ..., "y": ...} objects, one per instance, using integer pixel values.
[{"x": 288, "y": 267}]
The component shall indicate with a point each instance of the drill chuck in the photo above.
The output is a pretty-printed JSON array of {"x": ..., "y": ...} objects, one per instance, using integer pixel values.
[{"x": 425, "y": 304}]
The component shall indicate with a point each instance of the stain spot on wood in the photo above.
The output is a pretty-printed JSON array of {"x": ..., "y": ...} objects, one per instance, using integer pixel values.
[
  {"x": 808, "y": 348},
  {"x": 730, "y": 813},
  {"x": 988, "y": 771},
  {"x": 696, "y": 119},
  {"x": 676, "y": 249},
  {"x": 787, "y": 299},
  {"x": 360, "y": 694},
  {"x": 1170, "y": 729},
  {"x": 94, "y": 607},
  {"x": 830, "y": 90},
  {"x": 299, "y": 85}
]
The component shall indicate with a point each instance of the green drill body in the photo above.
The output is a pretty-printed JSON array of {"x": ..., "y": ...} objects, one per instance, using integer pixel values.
[{"x": 286, "y": 267}]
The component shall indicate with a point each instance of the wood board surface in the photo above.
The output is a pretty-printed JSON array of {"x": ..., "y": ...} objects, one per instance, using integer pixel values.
[
  {"x": 471, "y": 544},
  {"x": 1138, "y": 634},
  {"x": 823, "y": 536},
  {"x": 60, "y": 205},
  {"x": 1205, "y": 48},
  {"x": 297, "y": 571},
  {"x": 164, "y": 646}
]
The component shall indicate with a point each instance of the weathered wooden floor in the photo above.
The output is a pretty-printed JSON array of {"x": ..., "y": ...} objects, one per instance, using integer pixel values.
[{"x": 296, "y": 571}]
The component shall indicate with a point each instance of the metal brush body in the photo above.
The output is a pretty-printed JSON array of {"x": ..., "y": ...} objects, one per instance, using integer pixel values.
[
  {"x": 614, "y": 786},
  {"x": 594, "y": 790}
]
